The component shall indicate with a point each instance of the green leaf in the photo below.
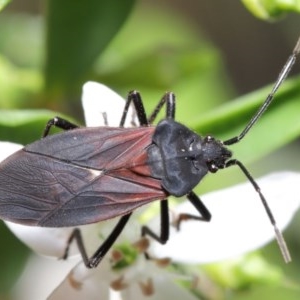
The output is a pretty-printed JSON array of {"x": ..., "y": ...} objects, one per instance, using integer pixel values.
[
  {"x": 271, "y": 9},
  {"x": 12, "y": 259},
  {"x": 3, "y": 3},
  {"x": 77, "y": 32},
  {"x": 269, "y": 292},
  {"x": 24, "y": 126},
  {"x": 22, "y": 39},
  {"x": 165, "y": 55},
  {"x": 193, "y": 75},
  {"x": 245, "y": 271},
  {"x": 18, "y": 86}
]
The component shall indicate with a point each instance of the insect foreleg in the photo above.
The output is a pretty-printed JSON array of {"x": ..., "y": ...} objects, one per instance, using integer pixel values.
[{"x": 200, "y": 207}]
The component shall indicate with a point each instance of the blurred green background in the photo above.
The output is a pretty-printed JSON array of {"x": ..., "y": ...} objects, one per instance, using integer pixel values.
[{"x": 207, "y": 52}]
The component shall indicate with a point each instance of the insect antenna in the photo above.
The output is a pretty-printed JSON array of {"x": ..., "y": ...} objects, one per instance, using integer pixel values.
[
  {"x": 282, "y": 75},
  {"x": 279, "y": 237}
]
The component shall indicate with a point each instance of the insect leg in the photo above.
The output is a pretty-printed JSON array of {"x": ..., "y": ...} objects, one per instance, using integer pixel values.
[
  {"x": 169, "y": 100},
  {"x": 282, "y": 75},
  {"x": 280, "y": 240},
  {"x": 96, "y": 258},
  {"x": 60, "y": 123},
  {"x": 135, "y": 97},
  {"x": 205, "y": 215},
  {"x": 164, "y": 224}
]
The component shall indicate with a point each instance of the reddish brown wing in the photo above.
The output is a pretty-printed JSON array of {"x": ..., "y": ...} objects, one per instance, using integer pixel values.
[{"x": 78, "y": 177}]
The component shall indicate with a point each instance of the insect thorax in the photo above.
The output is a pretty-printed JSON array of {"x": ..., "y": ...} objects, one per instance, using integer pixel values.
[{"x": 180, "y": 158}]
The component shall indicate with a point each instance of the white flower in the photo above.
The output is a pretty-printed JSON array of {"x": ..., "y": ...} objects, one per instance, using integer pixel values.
[{"x": 239, "y": 224}]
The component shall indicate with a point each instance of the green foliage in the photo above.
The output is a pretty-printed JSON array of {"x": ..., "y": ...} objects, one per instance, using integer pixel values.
[
  {"x": 279, "y": 126},
  {"x": 44, "y": 60},
  {"x": 77, "y": 32},
  {"x": 272, "y": 9},
  {"x": 243, "y": 272},
  {"x": 3, "y": 3}
]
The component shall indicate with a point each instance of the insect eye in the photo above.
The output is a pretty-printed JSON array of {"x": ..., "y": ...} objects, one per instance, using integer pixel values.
[{"x": 213, "y": 168}]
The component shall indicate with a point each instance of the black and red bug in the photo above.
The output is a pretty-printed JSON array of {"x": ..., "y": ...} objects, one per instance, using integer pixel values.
[{"x": 87, "y": 175}]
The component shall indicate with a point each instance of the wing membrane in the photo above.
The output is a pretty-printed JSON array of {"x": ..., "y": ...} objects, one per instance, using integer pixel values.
[
  {"x": 47, "y": 188},
  {"x": 96, "y": 147}
]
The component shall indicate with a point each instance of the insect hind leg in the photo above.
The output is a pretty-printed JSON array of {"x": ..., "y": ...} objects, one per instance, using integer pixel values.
[
  {"x": 60, "y": 123},
  {"x": 95, "y": 259}
]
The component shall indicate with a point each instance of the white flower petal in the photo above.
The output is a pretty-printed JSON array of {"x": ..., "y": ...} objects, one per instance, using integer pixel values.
[
  {"x": 82, "y": 283},
  {"x": 98, "y": 99},
  {"x": 8, "y": 149},
  {"x": 239, "y": 222},
  {"x": 39, "y": 278},
  {"x": 53, "y": 241},
  {"x": 45, "y": 241}
]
